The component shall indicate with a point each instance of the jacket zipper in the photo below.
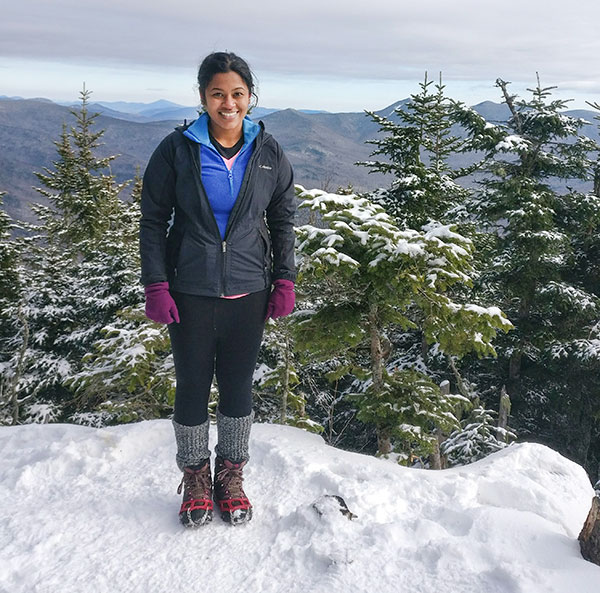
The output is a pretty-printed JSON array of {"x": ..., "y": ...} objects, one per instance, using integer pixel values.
[
  {"x": 202, "y": 193},
  {"x": 244, "y": 187},
  {"x": 224, "y": 258},
  {"x": 237, "y": 204}
]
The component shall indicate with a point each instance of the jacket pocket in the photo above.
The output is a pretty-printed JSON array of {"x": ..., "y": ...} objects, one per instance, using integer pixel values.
[
  {"x": 196, "y": 263},
  {"x": 174, "y": 240},
  {"x": 267, "y": 256},
  {"x": 247, "y": 258}
]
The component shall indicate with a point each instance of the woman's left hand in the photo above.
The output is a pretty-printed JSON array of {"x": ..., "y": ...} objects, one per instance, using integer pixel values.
[{"x": 282, "y": 299}]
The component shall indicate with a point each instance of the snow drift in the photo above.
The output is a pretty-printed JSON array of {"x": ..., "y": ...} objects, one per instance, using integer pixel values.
[{"x": 87, "y": 509}]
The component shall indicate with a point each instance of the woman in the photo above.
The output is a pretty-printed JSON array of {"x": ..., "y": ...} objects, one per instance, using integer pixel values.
[{"x": 224, "y": 266}]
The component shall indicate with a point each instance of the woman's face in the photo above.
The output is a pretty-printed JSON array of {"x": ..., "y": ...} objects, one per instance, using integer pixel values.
[{"x": 226, "y": 100}]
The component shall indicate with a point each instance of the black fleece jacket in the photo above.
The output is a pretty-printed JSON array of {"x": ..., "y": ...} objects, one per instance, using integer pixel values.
[{"x": 189, "y": 253}]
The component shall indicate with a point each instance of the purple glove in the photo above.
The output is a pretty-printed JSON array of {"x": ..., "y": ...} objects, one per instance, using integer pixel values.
[
  {"x": 160, "y": 306},
  {"x": 282, "y": 299}
]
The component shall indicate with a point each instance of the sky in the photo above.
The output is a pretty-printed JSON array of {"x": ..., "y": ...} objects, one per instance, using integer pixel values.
[{"x": 317, "y": 54}]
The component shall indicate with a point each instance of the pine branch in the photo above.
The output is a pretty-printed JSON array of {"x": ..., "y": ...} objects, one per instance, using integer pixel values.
[{"x": 509, "y": 100}]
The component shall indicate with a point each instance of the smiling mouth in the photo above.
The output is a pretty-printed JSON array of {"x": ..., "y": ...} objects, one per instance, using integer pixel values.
[{"x": 228, "y": 114}]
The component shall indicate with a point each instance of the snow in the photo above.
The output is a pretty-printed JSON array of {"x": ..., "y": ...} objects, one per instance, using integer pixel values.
[
  {"x": 444, "y": 231},
  {"x": 331, "y": 256},
  {"x": 571, "y": 295},
  {"x": 512, "y": 142},
  {"x": 492, "y": 311},
  {"x": 88, "y": 509}
]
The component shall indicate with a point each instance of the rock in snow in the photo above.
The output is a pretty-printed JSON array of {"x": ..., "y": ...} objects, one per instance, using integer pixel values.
[{"x": 95, "y": 510}]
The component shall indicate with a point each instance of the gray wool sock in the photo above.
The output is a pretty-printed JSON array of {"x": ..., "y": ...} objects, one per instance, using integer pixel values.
[
  {"x": 192, "y": 443},
  {"x": 234, "y": 436}
]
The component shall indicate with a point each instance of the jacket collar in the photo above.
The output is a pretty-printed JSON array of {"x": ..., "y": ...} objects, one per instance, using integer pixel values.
[{"x": 198, "y": 130}]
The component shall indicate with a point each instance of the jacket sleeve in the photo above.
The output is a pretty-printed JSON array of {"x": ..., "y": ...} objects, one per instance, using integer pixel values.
[
  {"x": 280, "y": 220},
  {"x": 158, "y": 200}
]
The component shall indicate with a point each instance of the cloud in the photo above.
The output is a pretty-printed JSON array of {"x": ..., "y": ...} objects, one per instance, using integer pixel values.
[{"x": 379, "y": 39}]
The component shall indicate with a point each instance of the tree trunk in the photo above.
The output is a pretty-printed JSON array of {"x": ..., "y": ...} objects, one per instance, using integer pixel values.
[
  {"x": 516, "y": 360},
  {"x": 13, "y": 394},
  {"x": 462, "y": 388},
  {"x": 589, "y": 538},
  {"x": 376, "y": 352},
  {"x": 514, "y": 373},
  {"x": 436, "y": 459},
  {"x": 286, "y": 380},
  {"x": 384, "y": 444},
  {"x": 503, "y": 411}
]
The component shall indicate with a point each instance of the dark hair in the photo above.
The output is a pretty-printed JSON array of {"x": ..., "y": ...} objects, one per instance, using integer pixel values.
[{"x": 221, "y": 62}]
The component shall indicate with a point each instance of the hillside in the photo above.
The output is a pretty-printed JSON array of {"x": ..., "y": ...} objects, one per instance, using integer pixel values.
[
  {"x": 28, "y": 130},
  {"x": 89, "y": 509},
  {"x": 322, "y": 147}
]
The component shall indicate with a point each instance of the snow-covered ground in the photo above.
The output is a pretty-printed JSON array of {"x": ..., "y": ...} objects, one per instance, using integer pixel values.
[{"x": 95, "y": 510}]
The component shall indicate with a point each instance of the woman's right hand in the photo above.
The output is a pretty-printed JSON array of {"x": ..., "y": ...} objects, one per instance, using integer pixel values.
[{"x": 160, "y": 306}]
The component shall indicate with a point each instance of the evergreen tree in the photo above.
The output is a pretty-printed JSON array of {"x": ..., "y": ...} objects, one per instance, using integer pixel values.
[
  {"x": 9, "y": 259},
  {"x": 409, "y": 409},
  {"x": 281, "y": 380},
  {"x": 83, "y": 196},
  {"x": 11, "y": 318},
  {"x": 38, "y": 321},
  {"x": 127, "y": 373},
  {"x": 370, "y": 275},
  {"x": 77, "y": 268},
  {"x": 536, "y": 235},
  {"x": 477, "y": 437},
  {"x": 416, "y": 145}
]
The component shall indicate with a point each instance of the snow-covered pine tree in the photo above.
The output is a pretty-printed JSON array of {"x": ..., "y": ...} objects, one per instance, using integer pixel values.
[
  {"x": 11, "y": 318},
  {"x": 43, "y": 317},
  {"x": 368, "y": 275},
  {"x": 416, "y": 145},
  {"x": 279, "y": 379},
  {"x": 417, "y": 141},
  {"x": 77, "y": 268},
  {"x": 576, "y": 352},
  {"x": 9, "y": 258},
  {"x": 533, "y": 270},
  {"x": 83, "y": 194},
  {"x": 127, "y": 373},
  {"x": 477, "y": 437}
]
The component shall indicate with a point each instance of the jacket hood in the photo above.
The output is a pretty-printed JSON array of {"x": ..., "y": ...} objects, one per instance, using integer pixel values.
[{"x": 198, "y": 130}]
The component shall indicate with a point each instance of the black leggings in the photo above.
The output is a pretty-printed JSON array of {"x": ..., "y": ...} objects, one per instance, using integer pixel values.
[{"x": 216, "y": 335}]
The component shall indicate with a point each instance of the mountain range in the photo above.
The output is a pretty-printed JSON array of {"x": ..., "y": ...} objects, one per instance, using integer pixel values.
[{"x": 321, "y": 146}]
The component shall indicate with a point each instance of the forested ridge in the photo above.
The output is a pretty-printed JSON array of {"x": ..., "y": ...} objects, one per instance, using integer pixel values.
[{"x": 421, "y": 306}]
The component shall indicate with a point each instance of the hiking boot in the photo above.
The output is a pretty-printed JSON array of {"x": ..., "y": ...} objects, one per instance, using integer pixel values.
[
  {"x": 229, "y": 495},
  {"x": 197, "y": 506}
]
